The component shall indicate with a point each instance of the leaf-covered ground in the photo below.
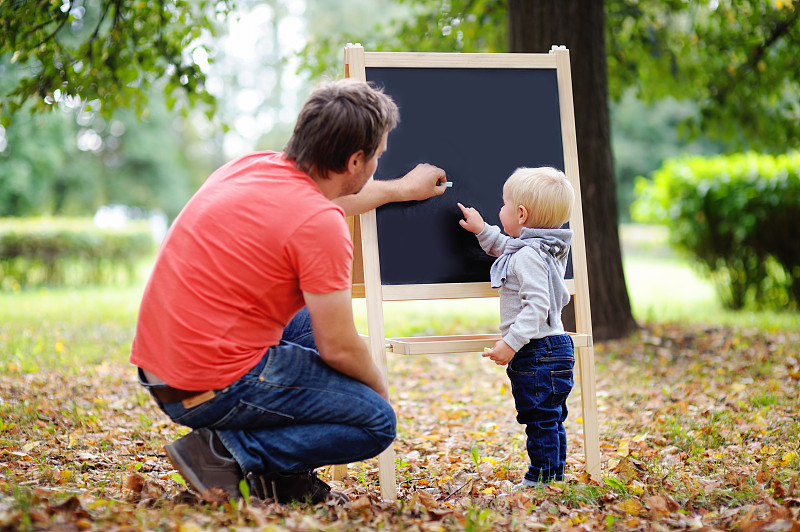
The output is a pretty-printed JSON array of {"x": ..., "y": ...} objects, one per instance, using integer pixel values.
[{"x": 699, "y": 430}]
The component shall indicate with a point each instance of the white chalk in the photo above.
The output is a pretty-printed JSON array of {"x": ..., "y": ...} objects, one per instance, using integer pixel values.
[{"x": 448, "y": 184}]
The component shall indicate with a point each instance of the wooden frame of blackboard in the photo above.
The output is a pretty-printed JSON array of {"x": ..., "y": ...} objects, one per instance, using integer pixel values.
[{"x": 367, "y": 267}]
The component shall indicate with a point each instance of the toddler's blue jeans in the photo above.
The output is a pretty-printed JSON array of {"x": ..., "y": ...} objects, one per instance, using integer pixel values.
[
  {"x": 541, "y": 379},
  {"x": 292, "y": 412}
]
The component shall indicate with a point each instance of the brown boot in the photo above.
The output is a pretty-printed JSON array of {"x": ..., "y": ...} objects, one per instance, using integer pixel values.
[{"x": 199, "y": 459}]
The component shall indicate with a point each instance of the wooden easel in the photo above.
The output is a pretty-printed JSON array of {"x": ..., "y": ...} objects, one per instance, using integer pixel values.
[{"x": 367, "y": 281}]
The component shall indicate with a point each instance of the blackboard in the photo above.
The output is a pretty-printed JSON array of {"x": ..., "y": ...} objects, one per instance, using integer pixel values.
[{"x": 479, "y": 125}]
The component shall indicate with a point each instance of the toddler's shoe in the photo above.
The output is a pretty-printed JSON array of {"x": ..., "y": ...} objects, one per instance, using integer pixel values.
[{"x": 526, "y": 484}]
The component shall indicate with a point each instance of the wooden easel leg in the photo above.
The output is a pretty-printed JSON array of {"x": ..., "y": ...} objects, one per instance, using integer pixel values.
[
  {"x": 387, "y": 474},
  {"x": 339, "y": 472},
  {"x": 591, "y": 432},
  {"x": 376, "y": 333}
]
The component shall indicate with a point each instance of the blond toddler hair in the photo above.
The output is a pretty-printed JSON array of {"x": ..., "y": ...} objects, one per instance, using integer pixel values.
[{"x": 545, "y": 192}]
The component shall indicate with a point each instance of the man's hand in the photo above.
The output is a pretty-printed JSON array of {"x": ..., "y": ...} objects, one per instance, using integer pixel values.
[
  {"x": 421, "y": 183},
  {"x": 501, "y": 353},
  {"x": 473, "y": 221},
  {"x": 338, "y": 342}
]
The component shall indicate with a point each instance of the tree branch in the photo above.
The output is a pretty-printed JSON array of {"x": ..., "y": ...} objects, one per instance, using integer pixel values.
[
  {"x": 96, "y": 32},
  {"x": 64, "y": 19}
]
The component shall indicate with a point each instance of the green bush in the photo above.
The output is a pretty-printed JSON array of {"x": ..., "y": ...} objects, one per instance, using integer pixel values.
[
  {"x": 69, "y": 251},
  {"x": 738, "y": 216}
]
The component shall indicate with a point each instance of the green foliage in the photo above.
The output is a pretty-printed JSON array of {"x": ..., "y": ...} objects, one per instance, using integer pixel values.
[
  {"x": 454, "y": 26},
  {"x": 644, "y": 136},
  {"x": 41, "y": 166},
  {"x": 737, "y": 59},
  {"x": 335, "y": 23},
  {"x": 737, "y": 216},
  {"x": 72, "y": 161},
  {"x": 68, "y": 252},
  {"x": 105, "y": 53},
  {"x": 145, "y": 161},
  {"x": 403, "y": 25}
]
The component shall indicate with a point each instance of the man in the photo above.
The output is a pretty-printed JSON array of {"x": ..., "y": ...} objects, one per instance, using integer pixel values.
[{"x": 245, "y": 331}]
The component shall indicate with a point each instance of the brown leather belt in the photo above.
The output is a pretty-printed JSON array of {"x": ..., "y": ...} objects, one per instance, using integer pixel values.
[{"x": 189, "y": 398}]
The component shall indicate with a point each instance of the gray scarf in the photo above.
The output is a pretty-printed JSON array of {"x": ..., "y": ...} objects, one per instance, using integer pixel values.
[{"x": 553, "y": 246}]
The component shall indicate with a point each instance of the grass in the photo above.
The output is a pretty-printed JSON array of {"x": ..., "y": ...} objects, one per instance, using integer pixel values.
[{"x": 66, "y": 327}]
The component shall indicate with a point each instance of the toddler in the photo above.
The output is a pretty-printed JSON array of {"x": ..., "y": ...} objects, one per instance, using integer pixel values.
[{"x": 529, "y": 273}]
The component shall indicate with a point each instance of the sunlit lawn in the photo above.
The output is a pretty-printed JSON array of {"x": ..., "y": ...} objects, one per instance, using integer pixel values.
[
  {"x": 78, "y": 327},
  {"x": 73, "y": 328},
  {"x": 663, "y": 287}
]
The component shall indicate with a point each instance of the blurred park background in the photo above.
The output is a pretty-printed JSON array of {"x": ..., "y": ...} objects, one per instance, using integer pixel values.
[{"x": 113, "y": 114}]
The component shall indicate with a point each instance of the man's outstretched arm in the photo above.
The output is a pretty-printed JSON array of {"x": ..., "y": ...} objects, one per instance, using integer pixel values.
[{"x": 423, "y": 182}]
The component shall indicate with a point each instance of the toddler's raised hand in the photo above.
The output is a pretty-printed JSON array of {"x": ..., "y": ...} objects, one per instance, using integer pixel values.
[{"x": 473, "y": 221}]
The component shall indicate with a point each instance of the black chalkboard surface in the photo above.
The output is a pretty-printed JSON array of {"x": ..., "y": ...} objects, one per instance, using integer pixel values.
[{"x": 479, "y": 125}]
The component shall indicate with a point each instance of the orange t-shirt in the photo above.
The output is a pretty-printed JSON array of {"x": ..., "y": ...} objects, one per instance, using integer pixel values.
[{"x": 231, "y": 271}]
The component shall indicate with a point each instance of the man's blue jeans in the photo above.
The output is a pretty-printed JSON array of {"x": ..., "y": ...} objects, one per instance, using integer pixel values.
[
  {"x": 292, "y": 412},
  {"x": 541, "y": 379}
]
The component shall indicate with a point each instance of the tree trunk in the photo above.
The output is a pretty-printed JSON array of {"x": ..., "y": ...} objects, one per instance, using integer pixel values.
[{"x": 534, "y": 26}]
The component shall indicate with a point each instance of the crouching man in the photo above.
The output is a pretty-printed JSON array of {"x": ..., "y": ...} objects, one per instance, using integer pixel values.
[{"x": 245, "y": 331}]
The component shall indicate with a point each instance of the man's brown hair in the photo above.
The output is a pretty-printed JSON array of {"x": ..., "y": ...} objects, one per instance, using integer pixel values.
[{"x": 338, "y": 119}]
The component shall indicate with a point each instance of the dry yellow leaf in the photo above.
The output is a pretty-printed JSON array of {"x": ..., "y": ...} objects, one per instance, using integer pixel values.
[
  {"x": 631, "y": 506},
  {"x": 624, "y": 448}
]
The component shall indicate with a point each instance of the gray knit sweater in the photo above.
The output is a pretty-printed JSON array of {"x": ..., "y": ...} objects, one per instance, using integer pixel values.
[{"x": 530, "y": 274}]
